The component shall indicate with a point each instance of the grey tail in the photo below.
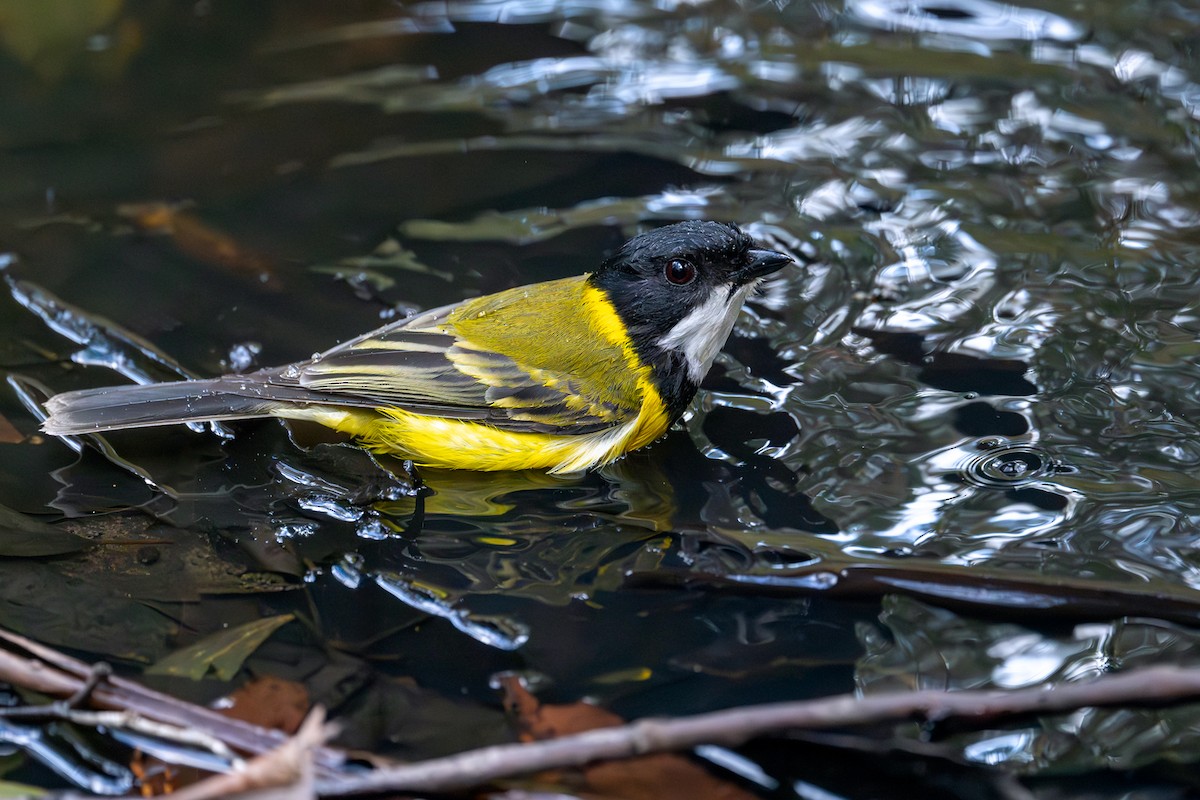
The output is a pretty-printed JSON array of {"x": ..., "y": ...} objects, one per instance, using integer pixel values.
[{"x": 113, "y": 407}]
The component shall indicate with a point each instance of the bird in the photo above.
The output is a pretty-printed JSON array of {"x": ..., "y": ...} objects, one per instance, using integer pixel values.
[{"x": 564, "y": 375}]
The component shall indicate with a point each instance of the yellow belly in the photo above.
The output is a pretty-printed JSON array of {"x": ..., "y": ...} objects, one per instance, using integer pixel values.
[{"x": 462, "y": 444}]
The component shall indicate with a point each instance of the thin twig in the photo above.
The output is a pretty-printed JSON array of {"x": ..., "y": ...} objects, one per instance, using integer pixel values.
[
  {"x": 58, "y": 675},
  {"x": 65, "y": 711},
  {"x": 734, "y": 726},
  {"x": 286, "y": 771},
  {"x": 133, "y": 723},
  {"x": 99, "y": 673},
  {"x": 824, "y": 569}
]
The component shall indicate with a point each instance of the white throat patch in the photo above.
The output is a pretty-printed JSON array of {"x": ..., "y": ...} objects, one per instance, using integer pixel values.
[{"x": 702, "y": 333}]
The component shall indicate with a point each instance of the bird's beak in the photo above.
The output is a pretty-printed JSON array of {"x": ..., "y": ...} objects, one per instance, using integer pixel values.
[{"x": 760, "y": 263}]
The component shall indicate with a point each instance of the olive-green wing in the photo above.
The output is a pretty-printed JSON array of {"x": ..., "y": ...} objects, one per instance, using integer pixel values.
[{"x": 552, "y": 376}]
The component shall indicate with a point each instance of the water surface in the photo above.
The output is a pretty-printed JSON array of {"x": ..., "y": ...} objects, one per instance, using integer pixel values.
[{"x": 957, "y": 449}]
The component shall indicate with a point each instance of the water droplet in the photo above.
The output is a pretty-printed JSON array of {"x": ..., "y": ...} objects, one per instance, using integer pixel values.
[
  {"x": 242, "y": 356},
  {"x": 295, "y": 530},
  {"x": 1001, "y": 464}
]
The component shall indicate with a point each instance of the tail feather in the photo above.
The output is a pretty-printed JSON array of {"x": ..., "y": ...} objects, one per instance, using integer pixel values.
[{"x": 109, "y": 408}]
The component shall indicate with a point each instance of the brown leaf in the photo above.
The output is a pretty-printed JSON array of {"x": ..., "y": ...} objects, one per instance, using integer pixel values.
[
  {"x": 656, "y": 777},
  {"x": 199, "y": 240},
  {"x": 270, "y": 702},
  {"x": 9, "y": 433}
]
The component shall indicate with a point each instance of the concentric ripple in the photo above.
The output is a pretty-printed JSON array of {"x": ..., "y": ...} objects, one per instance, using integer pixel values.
[{"x": 1001, "y": 464}]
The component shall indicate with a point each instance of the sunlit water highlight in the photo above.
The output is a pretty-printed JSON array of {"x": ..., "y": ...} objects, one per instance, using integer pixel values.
[{"x": 986, "y": 367}]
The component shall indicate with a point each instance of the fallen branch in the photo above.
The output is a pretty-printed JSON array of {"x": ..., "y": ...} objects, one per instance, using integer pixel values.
[
  {"x": 735, "y": 726},
  {"x": 58, "y": 675},
  {"x": 822, "y": 568},
  {"x": 286, "y": 771},
  {"x": 304, "y": 758}
]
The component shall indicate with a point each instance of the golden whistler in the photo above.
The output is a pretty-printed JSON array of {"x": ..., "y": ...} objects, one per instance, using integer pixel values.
[{"x": 563, "y": 375}]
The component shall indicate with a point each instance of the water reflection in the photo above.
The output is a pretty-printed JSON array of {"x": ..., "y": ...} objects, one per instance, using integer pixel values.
[
  {"x": 934, "y": 649},
  {"x": 980, "y": 392},
  {"x": 968, "y": 19}
]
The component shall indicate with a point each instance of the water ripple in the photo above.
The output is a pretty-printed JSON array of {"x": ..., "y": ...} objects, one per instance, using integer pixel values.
[{"x": 970, "y": 19}]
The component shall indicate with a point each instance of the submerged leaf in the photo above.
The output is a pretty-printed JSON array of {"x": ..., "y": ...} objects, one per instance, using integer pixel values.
[
  {"x": 24, "y": 537},
  {"x": 930, "y": 647},
  {"x": 81, "y": 612},
  {"x": 222, "y": 652},
  {"x": 9, "y": 433},
  {"x": 197, "y": 239},
  {"x": 270, "y": 702},
  {"x": 661, "y": 776},
  {"x": 51, "y": 37}
]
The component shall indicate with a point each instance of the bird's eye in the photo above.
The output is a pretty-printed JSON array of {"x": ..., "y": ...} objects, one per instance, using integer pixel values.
[{"x": 680, "y": 272}]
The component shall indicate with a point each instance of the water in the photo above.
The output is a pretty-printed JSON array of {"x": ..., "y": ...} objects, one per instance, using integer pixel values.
[{"x": 969, "y": 418}]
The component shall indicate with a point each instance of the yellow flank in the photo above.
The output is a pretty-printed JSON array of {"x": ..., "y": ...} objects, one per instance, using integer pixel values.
[{"x": 544, "y": 347}]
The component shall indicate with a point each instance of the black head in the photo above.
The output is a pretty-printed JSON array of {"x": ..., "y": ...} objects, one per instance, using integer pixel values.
[{"x": 678, "y": 290}]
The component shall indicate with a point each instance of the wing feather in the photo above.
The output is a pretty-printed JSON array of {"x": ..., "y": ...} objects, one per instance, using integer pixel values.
[{"x": 426, "y": 365}]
